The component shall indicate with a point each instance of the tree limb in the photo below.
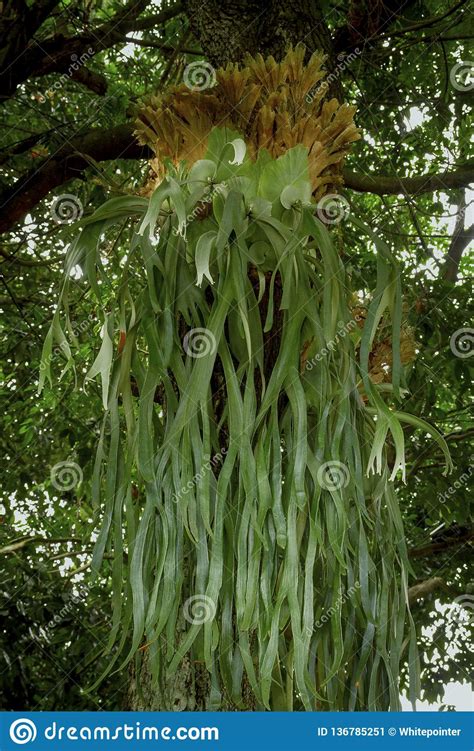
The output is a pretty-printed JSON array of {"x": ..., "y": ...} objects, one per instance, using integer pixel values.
[
  {"x": 459, "y": 241},
  {"x": 425, "y": 588},
  {"x": 69, "y": 162},
  {"x": 54, "y": 55},
  {"x": 383, "y": 185},
  {"x": 161, "y": 46},
  {"x": 91, "y": 80},
  {"x": 36, "y": 541},
  {"x": 366, "y": 22},
  {"x": 438, "y": 547},
  {"x": 119, "y": 143},
  {"x": 427, "y": 22}
]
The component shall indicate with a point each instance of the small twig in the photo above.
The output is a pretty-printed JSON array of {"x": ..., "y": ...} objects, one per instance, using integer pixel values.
[{"x": 36, "y": 541}]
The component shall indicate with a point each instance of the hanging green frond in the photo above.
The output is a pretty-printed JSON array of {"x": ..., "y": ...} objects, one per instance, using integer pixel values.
[{"x": 263, "y": 533}]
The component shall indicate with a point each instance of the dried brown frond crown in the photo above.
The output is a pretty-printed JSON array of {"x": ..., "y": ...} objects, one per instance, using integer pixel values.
[
  {"x": 381, "y": 356},
  {"x": 273, "y": 105}
]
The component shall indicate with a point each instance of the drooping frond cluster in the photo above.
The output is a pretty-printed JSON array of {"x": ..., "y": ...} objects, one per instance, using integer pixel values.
[
  {"x": 242, "y": 465},
  {"x": 274, "y": 106}
]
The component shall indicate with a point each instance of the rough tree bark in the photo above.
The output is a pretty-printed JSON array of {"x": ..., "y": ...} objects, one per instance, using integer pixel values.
[{"x": 228, "y": 30}]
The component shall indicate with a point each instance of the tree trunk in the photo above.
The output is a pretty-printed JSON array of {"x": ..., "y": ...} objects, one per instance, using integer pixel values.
[
  {"x": 228, "y": 30},
  {"x": 187, "y": 691}
]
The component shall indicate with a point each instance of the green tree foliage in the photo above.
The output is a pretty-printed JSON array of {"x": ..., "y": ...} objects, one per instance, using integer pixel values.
[{"x": 69, "y": 130}]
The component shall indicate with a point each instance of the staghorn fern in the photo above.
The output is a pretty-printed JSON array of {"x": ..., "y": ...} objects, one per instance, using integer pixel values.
[
  {"x": 273, "y": 105},
  {"x": 281, "y": 565}
]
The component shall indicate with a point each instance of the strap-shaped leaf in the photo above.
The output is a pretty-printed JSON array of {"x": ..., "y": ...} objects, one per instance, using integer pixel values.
[
  {"x": 103, "y": 362},
  {"x": 202, "y": 256}
]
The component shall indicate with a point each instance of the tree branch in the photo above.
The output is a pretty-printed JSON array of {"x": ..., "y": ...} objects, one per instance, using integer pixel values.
[
  {"x": 459, "y": 241},
  {"x": 36, "y": 541},
  {"x": 383, "y": 185},
  {"x": 69, "y": 162},
  {"x": 91, "y": 80},
  {"x": 120, "y": 143},
  {"x": 438, "y": 547},
  {"x": 427, "y": 22},
  {"x": 54, "y": 55},
  {"x": 366, "y": 22},
  {"x": 161, "y": 46},
  {"x": 427, "y": 587}
]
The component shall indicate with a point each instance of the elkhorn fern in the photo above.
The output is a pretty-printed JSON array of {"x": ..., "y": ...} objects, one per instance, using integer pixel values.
[{"x": 267, "y": 542}]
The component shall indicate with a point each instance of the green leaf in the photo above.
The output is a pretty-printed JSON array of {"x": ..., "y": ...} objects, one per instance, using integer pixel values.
[
  {"x": 103, "y": 362},
  {"x": 286, "y": 179},
  {"x": 202, "y": 256}
]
